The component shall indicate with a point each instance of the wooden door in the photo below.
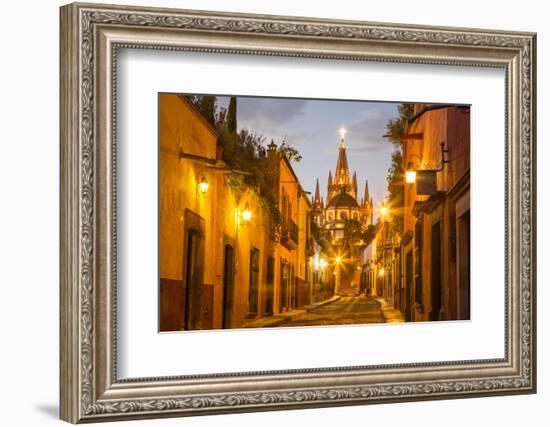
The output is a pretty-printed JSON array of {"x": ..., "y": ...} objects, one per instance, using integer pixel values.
[
  {"x": 193, "y": 270},
  {"x": 435, "y": 290},
  {"x": 228, "y": 284}
]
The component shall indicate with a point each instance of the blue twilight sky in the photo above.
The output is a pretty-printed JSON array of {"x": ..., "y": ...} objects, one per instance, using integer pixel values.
[{"x": 311, "y": 126}]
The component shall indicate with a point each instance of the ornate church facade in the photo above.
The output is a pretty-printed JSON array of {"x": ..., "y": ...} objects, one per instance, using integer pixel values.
[{"x": 342, "y": 199}]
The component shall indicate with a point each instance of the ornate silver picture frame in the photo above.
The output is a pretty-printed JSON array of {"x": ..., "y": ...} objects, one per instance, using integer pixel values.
[{"x": 91, "y": 36}]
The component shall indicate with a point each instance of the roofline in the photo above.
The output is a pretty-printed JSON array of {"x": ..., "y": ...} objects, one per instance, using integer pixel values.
[
  {"x": 411, "y": 119},
  {"x": 291, "y": 169},
  {"x": 283, "y": 156},
  {"x": 187, "y": 101}
]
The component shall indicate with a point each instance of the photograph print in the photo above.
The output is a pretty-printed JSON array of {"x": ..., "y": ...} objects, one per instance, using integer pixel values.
[{"x": 280, "y": 212}]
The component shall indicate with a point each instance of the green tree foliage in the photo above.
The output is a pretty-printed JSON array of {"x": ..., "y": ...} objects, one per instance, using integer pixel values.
[
  {"x": 289, "y": 152},
  {"x": 356, "y": 237},
  {"x": 207, "y": 106},
  {"x": 395, "y": 129},
  {"x": 232, "y": 115},
  {"x": 321, "y": 236},
  {"x": 242, "y": 150}
]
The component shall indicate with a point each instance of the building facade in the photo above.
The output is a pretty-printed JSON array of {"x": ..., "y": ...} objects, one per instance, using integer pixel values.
[
  {"x": 424, "y": 267},
  {"x": 383, "y": 267},
  {"x": 436, "y": 240},
  {"x": 225, "y": 257}
]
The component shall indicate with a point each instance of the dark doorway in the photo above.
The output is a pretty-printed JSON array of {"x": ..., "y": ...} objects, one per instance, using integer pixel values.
[
  {"x": 435, "y": 271},
  {"x": 254, "y": 273},
  {"x": 418, "y": 266},
  {"x": 270, "y": 277},
  {"x": 194, "y": 268},
  {"x": 228, "y": 282},
  {"x": 464, "y": 266},
  {"x": 193, "y": 271},
  {"x": 284, "y": 284},
  {"x": 408, "y": 286}
]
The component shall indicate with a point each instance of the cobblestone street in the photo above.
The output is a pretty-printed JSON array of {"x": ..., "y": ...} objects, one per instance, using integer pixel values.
[{"x": 345, "y": 311}]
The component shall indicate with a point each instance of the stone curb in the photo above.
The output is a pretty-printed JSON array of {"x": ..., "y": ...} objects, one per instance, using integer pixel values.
[{"x": 315, "y": 305}]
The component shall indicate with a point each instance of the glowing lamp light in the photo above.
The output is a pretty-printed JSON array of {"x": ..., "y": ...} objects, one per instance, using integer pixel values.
[
  {"x": 410, "y": 176},
  {"x": 247, "y": 213},
  {"x": 338, "y": 259},
  {"x": 203, "y": 185},
  {"x": 381, "y": 272},
  {"x": 322, "y": 264},
  {"x": 316, "y": 264},
  {"x": 384, "y": 210}
]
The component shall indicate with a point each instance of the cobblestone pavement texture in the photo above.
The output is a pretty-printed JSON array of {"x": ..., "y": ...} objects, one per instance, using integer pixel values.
[{"x": 346, "y": 311}]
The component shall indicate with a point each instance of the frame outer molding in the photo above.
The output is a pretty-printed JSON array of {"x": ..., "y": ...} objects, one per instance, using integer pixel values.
[
  {"x": 69, "y": 220},
  {"x": 90, "y": 35}
]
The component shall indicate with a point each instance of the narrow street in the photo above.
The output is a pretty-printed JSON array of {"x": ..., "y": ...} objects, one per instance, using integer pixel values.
[{"x": 347, "y": 310}]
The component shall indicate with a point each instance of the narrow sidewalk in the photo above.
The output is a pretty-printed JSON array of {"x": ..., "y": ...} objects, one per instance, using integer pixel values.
[{"x": 390, "y": 313}]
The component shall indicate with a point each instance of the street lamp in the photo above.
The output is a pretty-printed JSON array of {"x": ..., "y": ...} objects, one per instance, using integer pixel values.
[
  {"x": 410, "y": 174},
  {"x": 338, "y": 259},
  {"x": 384, "y": 211},
  {"x": 247, "y": 213},
  {"x": 203, "y": 185},
  {"x": 382, "y": 272}
]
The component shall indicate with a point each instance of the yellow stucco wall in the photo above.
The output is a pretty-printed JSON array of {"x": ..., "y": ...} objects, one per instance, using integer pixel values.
[
  {"x": 183, "y": 129},
  {"x": 180, "y": 129}
]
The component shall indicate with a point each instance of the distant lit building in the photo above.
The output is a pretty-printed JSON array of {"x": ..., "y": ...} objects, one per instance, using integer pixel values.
[
  {"x": 342, "y": 198},
  {"x": 341, "y": 207}
]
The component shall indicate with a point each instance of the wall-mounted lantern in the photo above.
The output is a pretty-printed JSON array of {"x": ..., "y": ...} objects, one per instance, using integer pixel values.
[
  {"x": 246, "y": 214},
  {"x": 203, "y": 185},
  {"x": 425, "y": 179},
  {"x": 381, "y": 272},
  {"x": 410, "y": 174}
]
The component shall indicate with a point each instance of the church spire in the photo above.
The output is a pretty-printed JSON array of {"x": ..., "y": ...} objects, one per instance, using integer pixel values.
[
  {"x": 366, "y": 197},
  {"x": 341, "y": 175},
  {"x": 317, "y": 197}
]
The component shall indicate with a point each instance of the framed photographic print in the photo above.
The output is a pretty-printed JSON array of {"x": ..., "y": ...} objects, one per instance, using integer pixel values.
[{"x": 266, "y": 212}]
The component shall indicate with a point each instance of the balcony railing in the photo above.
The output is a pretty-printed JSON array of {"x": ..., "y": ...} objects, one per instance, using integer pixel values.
[{"x": 289, "y": 236}]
